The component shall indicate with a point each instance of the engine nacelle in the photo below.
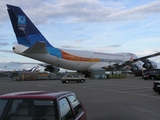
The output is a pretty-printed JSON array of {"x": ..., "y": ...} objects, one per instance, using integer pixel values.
[
  {"x": 150, "y": 65},
  {"x": 52, "y": 69},
  {"x": 136, "y": 68}
]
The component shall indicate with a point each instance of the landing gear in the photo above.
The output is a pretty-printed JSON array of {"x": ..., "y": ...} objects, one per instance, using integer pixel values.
[{"x": 86, "y": 73}]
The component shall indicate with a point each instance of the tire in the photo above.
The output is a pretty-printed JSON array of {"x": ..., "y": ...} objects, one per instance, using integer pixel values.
[
  {"x": 63, "y": 81},
  {"x": 82, "y": 81},
  {"x": 67, "y": 81}
]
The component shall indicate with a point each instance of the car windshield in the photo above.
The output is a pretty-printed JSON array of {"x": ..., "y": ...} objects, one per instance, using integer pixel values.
[{"x": 28, "y": 109}]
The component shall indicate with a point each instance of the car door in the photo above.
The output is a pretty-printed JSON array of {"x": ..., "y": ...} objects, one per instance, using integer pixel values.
[
  {"x": 65, "y": 110},
  {"x": 77, "y": 107},
  {"x": 76, "y": 77}
]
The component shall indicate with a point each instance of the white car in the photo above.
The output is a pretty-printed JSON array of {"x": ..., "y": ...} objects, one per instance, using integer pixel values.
[{"x": 72, "y": 77}]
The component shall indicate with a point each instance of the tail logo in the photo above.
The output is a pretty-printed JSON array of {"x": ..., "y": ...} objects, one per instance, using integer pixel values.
[{"x": 21, "y": 22}]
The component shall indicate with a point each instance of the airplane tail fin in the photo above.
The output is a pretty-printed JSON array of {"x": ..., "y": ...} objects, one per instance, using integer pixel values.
[
  {"x": 33, "y": 69},
  {"x": 26, "y": 32}
]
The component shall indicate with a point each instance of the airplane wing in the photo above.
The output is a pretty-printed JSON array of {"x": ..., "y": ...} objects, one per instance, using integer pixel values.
[
  {"x": 120, "y": 64},
  {"x": 143, "y": 59}
]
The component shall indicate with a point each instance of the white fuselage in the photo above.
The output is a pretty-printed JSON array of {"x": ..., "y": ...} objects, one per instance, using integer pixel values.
[{"x": 78, "y": 60}]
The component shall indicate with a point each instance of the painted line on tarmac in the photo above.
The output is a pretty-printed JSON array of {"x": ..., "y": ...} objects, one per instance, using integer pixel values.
[
  {"x": 117, "y": 91},
  {"x": 126, "y": 86},
  {"x": 144, "y": 95},
  {"x": 43, "y": 86},
  {"x": 145, "y": 110}
]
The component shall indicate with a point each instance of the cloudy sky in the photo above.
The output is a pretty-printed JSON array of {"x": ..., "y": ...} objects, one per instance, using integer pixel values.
[{"x": 95, "y": 25}]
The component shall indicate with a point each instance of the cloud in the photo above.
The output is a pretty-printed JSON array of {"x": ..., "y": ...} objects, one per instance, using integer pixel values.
[
  {"x": 70, "y": 46},
  {"x": 7, "y": 51},
  {"x": 10, "y": 66},
  {"x": 79, "y": 10},
  {"x": 114, "y": 46},
  {"x": 4, "y": 43},
  {"x": 79, "y": 41},
  {"x": 137, "y": 12},
  {"x": 2, "y": 38}
]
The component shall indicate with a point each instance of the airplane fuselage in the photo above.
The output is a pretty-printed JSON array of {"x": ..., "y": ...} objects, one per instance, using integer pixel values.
[{"x": 76, "y": 59}]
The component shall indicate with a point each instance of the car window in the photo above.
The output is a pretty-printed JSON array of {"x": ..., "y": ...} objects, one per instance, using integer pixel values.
[
  {"x": 36, "y": 108},
  {"x": 2, "y": 105},
  {"x": 65, "y": 110},
  {"x": 10, "y": 108},
  {"x": 43, "y": 102},
  {"x": 76, "y": 104},
  {"x": 14, "y": 105},
  {"x": 75, "y": 75},
  {"x": 69, "y": 75}
]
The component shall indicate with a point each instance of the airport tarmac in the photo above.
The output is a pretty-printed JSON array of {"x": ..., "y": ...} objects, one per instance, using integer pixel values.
[{"x": 111, "y": 99}]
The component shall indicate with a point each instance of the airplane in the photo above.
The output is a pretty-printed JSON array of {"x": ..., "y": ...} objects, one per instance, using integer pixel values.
[
  {"x": 15, "y": 72},
  {"x": 48, "y": 67},
  {"x": 33, "y": 69},
  {"x": 32, "y": 44}
]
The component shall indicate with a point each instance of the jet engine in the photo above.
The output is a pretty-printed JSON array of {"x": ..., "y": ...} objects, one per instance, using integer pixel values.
[
  {"x": 150, "y": 64},
  {"x": 52, "y": 69},
  {"x": 136, "y": 67}
]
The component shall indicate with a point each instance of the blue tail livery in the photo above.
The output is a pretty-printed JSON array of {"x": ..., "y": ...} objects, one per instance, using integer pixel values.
[{"x": 26, "y": 32}]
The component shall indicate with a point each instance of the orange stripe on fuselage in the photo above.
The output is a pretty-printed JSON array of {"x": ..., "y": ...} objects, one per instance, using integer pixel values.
[{"x": 68, "y": 56}]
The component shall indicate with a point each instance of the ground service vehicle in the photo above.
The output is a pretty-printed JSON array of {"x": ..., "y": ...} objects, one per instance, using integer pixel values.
[
  {"x": 72, "y": 77},
  {"x": 151, "y": 74},
  {"x": 40, "y": 105},
  {"x": 156, "y": 86},
  {"x": 158, "y": 75}
]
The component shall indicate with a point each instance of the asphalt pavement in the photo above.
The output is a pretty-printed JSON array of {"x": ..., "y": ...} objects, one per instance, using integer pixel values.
[{"x": 111, "y": 99}]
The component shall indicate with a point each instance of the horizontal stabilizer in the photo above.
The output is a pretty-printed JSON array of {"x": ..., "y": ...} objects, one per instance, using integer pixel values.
[{"x": 38, "y": 47}]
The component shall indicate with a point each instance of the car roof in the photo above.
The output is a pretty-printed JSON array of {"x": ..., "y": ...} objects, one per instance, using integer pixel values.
[
  {"x": 157, "y": 81},
  {"x": 36, "y": 94}
]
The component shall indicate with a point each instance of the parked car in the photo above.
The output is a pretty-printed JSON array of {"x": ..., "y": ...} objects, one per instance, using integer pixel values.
[
  {"x": 72, "y": 77},
  {"x": 40, "y": 105},
  {"x": 158, "y": 75},
  {"x": 151, "y": 74},
  {"x": 156, "y": 86}
]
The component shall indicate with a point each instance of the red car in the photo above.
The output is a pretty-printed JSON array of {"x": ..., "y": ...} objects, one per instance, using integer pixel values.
[{"x": 40, "y": 105}]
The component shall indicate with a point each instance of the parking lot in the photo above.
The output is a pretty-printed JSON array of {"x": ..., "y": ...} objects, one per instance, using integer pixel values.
[{"x": 111, "y": 99}]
